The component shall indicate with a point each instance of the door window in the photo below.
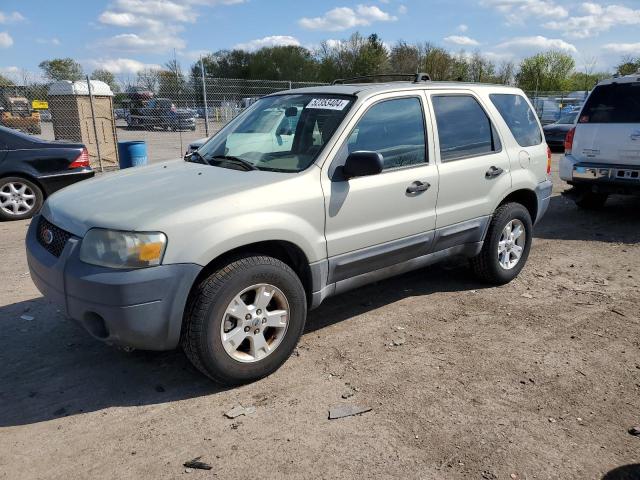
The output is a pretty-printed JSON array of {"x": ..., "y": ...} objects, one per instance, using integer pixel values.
[
  {"x": 519, "y": 117},
  {"x": 464, "y": 129},
  {"x": 395, "y": 129}
]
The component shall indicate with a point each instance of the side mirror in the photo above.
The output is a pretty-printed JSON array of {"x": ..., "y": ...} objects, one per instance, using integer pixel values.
[{"x": 362, "y": 163}]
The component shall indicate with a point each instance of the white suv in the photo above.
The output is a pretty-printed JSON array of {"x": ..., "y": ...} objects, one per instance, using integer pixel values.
[
  {"x": 602, "y": 152},
  {"x": 225, "y": 253}
]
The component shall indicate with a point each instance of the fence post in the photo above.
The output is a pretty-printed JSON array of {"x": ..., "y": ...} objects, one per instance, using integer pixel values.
[
  {"x": 204, "y": 95},
  {"x": 95, "y": 127}
]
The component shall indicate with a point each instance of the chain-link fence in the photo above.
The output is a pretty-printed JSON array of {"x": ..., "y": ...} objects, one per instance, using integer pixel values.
[{"x": 169, "y": 114}]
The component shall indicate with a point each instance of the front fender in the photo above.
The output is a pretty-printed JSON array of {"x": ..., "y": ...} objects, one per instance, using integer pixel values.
[{"x": 223, "y": 236}]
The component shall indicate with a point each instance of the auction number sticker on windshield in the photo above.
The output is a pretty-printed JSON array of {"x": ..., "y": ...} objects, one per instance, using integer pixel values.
[{"x": 328, "y": 103}]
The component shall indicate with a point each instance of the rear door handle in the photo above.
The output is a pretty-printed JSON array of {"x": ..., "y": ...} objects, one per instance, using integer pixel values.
[
  {"x": 494, "y": 172},
  {"x": 418, "y": 186}
]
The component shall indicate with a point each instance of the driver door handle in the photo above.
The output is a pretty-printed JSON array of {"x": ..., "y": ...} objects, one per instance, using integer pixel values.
[
  {"x": 417, "y": 187},
  {"x": 494, "y": 172}
]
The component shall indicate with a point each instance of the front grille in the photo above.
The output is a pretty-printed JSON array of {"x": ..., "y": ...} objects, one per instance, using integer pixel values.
[{"x": 52, "y": 238}]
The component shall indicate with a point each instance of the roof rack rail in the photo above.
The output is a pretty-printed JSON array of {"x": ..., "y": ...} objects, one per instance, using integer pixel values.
[{"x": 417, "y": 77}]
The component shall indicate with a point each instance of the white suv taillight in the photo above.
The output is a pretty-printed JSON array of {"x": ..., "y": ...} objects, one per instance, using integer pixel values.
[
  {"x": 81, "y": 161},
  {"x": 568, "y": 141}
]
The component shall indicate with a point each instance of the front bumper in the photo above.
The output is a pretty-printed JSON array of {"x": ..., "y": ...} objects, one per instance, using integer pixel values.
[
  {"x": 600, "y": 177},
  {"x": 140, "y": 308}
]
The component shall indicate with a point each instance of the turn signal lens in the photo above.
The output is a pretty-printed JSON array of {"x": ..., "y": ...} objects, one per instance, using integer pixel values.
[
  {"x": 568, "y": 141},
  {"x": 548, "y": 161}
]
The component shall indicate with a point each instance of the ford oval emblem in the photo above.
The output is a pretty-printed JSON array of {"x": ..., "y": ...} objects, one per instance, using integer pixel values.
[{"x": 47, "y": 236}]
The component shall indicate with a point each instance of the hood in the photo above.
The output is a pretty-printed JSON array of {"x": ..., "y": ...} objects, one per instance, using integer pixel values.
[{"x": 145, "y": 198}]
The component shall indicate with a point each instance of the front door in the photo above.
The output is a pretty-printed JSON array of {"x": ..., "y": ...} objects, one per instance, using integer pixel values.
[{"x": 383, "y": 216}]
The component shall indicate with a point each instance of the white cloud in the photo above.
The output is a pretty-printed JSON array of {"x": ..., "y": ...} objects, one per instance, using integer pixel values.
[
  {"x": 5, "y": 40},
  {"x": 622, "y": 48},
  {"x": 537, "y": 43},
  {"x": 462, "y": 28},
  {"x": 461, "y": 40},
  {"x": 517, "y": 11},
  {"x": 596, "y": 19},
  {"x": 11, "y": 17},
  {"x": 132, "y": 42},
  {"x": 402, "y": 9},
  {"x": 157, "y": 23},
  {"x": 118, "y": 66},
  {"x": 343, "y": 18},
  {"x": 272, "y": 41}
]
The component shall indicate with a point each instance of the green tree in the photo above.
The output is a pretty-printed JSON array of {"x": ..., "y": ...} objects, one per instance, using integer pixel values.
[
  {"x": 628, "y": 66},
  {"x": 283, "y": 63},
  {"x": 546, "y": 71},
  {"x": 61, "y": 69},
  {"x": 106, "y": 77},
  {"x": 353, "y": 57},
  {"x": 404, "y": 58}
]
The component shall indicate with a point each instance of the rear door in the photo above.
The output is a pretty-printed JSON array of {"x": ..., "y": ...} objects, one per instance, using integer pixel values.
[
  {"x": 474, "y": 167},
  {"x": 608, "y": 128}
]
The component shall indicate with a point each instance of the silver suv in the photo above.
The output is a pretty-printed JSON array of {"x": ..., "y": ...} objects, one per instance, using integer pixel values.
[
  {"x": 225, "y": 253},
  {"x": 602, "y": 151}
]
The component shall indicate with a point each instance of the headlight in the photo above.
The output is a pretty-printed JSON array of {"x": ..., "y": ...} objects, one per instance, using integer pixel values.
[{"x": 115, "y": 249}]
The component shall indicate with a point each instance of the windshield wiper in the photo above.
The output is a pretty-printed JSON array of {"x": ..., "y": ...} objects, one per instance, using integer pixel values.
[{"x": 235, "y": 160}]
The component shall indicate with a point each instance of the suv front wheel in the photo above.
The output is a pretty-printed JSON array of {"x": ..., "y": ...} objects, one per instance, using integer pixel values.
[
  {"x": 244, "y": 320},
  {"x": 506, "y": 245}
]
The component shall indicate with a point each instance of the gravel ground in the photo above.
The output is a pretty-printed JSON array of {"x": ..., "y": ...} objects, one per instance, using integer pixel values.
[{"x": 536, "y": 379}]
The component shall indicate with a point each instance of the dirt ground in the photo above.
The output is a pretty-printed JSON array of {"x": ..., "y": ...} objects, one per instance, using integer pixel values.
[{"x": 536, "y": 379}]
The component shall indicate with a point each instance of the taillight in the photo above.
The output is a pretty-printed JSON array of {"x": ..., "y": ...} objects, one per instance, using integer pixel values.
[
  {"x": 81, "y": 161},
  {"x": 568, "y": 141},
  {"x": 548, "y": 161}
]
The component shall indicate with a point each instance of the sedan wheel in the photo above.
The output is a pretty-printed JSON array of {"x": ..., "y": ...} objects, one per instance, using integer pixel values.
[{"x": 19, "y": 198}]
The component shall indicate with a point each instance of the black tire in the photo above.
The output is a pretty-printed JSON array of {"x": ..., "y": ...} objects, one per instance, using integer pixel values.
[
  {"x": 486, "y": 265},
  {"x": 588, "y": 200},
  {"x": 37, "y": 203},
  {"x": 201, "y": 339}
]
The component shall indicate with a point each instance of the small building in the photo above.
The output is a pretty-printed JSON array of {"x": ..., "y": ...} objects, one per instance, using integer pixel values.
[{"x": 71, "y": 114}]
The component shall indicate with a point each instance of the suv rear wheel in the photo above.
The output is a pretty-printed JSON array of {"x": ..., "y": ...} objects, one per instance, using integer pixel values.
[
  {"x": 244, "y": 320},
  {"x": 506, "y": 245}
]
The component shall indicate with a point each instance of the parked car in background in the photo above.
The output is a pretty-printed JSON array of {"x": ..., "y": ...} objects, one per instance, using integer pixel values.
[
  {"x": 602, "y": 151},
  {"x": 224, "y": 254},
  {"x": 555, "y": 133},
  {"x": 119, "y": 113},
  {"x": 31, "y": 169},
  {"x": 161, "y": 113}
]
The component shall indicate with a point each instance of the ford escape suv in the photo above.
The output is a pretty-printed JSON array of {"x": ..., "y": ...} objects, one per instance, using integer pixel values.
[
  {"x": 223, "y": 254},
  {"x": 602, "y": 151}
]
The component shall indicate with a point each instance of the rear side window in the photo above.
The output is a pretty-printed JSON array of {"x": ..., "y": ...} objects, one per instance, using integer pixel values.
[
  {"x": 519, "y": 117},
  {"x": 464, "y": 129},
  {"x": 615, "y": 103},
  {"x": 394, "y": 128}
]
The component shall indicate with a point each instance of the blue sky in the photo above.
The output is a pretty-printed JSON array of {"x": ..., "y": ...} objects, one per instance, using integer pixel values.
[{"x": 127, "y": 35}]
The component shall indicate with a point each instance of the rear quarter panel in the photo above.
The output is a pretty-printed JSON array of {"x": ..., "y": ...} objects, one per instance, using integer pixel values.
[{"x": 528, "y": 164}]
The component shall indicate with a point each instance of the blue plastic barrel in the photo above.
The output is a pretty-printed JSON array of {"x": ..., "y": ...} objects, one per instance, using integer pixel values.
[{"x": 132, "y": 154}]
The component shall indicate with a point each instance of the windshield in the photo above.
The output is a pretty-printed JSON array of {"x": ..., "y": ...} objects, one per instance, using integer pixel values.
[
  {"x": 283, "y": 133},
  {"x": 568, "y": 118}
]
